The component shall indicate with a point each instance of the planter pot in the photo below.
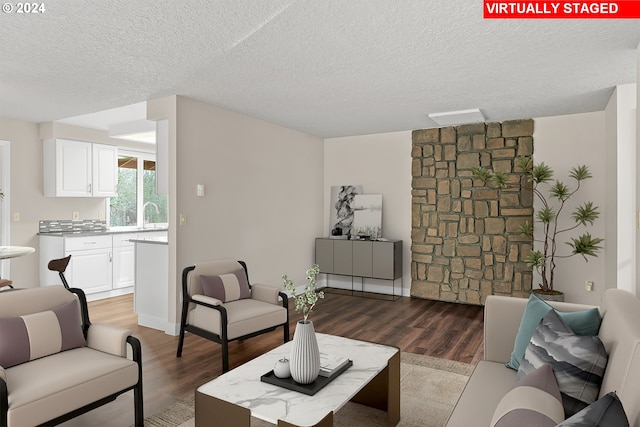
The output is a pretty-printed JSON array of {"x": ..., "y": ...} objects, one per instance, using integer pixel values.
[
  {"x": 549, "y": 296},
  {"x": 304, "y": 362}
]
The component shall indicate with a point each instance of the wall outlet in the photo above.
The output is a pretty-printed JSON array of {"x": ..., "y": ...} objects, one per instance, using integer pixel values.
[
  {"x": 100, "y": 214},
  {"x": 16, "y": 217},
  {"x": 588, "y": 286},
  {"x": 75, "y": 216}
]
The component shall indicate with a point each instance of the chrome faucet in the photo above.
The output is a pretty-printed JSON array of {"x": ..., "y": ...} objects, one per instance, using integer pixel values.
[{"x": 144, "y": 209}]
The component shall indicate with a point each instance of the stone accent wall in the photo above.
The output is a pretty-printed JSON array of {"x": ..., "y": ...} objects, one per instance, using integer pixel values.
[{"x": 465, "y": 239}]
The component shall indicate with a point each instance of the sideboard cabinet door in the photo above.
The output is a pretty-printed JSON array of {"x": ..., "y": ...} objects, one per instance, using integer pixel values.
[
  {"x": 363, "y": 258},
  {"x": 343, "y": 257},
  {"x": 324, "y": 255},
  {"x": 387, "y": 260}
]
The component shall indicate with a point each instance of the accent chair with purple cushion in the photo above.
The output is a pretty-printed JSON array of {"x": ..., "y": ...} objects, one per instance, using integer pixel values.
[
  {"x": 55, "y": 364},
  {"x": 219, "y": 303}
]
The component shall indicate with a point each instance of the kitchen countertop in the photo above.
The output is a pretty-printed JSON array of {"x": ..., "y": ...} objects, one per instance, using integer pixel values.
[
  {"x": 151, "y": 240},
  {"x": 103, "y": 232}
]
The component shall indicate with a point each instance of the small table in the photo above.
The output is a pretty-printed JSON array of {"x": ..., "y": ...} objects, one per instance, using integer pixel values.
[
  {"x": 7, "y": 252},
  {"x": 15, "y": 251},
  {"x": 373, "y": 380}
]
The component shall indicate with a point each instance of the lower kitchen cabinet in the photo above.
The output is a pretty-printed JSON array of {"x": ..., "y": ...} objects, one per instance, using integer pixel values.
[
  {"x": 90, "y": 270},
  {"x": 124, "y": 261},
  {"x": 101, "y": 265}
]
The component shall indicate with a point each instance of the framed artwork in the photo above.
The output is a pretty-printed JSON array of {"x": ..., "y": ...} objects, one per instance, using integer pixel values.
[
  {"x": 367, "y": 219},
  {"x": 342, "y": 210}
]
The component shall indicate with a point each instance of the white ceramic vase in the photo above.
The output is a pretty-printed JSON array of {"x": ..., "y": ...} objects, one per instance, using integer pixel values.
[{"x": 304, "y": 361}]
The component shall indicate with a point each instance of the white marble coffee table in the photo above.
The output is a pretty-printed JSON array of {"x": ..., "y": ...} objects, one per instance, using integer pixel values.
[{"x": 373, "y": 380}]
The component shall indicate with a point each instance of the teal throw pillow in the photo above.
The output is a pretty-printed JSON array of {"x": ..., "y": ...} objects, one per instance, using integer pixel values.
[{"x": 585, "y": 322}]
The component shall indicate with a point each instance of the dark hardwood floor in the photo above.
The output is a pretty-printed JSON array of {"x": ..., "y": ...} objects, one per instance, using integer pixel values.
[{"x": 438, "y": 329}]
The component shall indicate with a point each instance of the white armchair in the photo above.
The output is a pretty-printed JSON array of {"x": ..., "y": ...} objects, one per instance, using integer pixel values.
[
  {"x": 219, "y": 303},
  {"x": 56, "y": 365}
]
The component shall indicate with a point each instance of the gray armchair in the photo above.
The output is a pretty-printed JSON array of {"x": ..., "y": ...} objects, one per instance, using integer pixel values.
[
  {"x": 219, "y": 303},
  {"x": 56, "y": 365}
]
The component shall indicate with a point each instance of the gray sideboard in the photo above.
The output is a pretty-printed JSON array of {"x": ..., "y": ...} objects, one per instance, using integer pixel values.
[{"x": 371, "y": 259}]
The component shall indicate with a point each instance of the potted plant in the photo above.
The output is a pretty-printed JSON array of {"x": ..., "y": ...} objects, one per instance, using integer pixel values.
[
  {"x": 304, "y": 361},
  {"x": 553, "y": 202},
  {"x": 306, "y": 301}
]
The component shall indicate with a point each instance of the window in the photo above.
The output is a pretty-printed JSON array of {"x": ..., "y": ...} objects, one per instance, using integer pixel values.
[{"x": 137, "y": 204}]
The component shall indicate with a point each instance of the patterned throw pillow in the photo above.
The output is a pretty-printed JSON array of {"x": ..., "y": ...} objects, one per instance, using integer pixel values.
[
  {"x": 604, "y": 412},
  {"x": 578, "y": 361},
  {"x": 226, "y": 287},
  {"x": 37, "y": 335},
  {"x": 583, "y": 322},
  {"x": 533, "y": 401}
]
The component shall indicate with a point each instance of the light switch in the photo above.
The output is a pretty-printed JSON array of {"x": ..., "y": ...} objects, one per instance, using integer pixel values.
[
  {"x": 16, "y": 217},
  {"x": 183, "y": 219},
  {"x": 200, "y": 190}
]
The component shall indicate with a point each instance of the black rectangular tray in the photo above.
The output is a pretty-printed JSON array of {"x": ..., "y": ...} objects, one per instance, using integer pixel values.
[{"x": 309, "y": 389}]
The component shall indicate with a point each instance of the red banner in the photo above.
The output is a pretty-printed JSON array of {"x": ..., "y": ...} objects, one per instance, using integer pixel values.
[{"x": 516, "y": 9}]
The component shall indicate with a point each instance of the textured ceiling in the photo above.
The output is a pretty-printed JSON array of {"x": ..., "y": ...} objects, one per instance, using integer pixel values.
[{"x": 328, "y": 68}]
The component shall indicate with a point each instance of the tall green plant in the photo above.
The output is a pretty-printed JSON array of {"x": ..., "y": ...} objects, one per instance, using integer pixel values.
[{"x": 553, "y": 203}]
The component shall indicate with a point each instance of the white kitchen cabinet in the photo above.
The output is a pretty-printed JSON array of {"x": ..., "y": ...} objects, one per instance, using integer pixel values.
[
  {"x": 105, "y": 170},
  {"x": 90, "y": 267},
  {"x": 124, "y": 260},
  {"x": 90, "y": 270},
  {"x": 103, "y": 265},
  {"x": 79, "y": 169}
]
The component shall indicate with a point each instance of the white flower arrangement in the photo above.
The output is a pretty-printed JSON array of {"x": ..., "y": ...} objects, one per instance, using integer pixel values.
[{"x": 306, "y": 301}]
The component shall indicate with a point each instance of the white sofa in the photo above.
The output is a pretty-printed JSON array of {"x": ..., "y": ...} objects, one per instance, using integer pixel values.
[{"x": 491, "y": 380}]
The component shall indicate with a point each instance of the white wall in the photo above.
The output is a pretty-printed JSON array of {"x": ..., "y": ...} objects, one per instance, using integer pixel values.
[
  {"x": 611, "y": 190},
  {"x": 27, "y": 198},
  {"x": 620, "y": 149},
  {"x": 637, "y": 182},
  {"x": 381, "y": 163},
  {"x": 563, "y": 142},
  {"x": 263, "y": 186}
]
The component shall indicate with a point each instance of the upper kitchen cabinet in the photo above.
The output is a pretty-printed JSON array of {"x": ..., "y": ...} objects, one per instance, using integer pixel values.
[
  {"x": 105, "y": 170},
  {"x": 79, "y": 169}
]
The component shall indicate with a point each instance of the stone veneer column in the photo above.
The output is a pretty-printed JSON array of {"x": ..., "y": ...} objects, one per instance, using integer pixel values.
[{"x": 465, "y": 239}]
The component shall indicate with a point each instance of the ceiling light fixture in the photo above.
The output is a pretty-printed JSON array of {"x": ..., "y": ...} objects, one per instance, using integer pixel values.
[
  {"x": 139, "y": 130},
  {"x": 451, "y": 118}
]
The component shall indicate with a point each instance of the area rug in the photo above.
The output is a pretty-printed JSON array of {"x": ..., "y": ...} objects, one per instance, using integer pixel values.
[{"x": 429, "y": 388}]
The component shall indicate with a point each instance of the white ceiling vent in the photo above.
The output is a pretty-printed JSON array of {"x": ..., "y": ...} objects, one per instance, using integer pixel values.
[{"x": 452, "y": 118}]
